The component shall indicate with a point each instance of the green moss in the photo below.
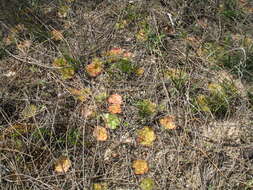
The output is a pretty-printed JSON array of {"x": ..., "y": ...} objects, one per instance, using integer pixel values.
[
  {"x": 146, "y": 108},
  {"x": 66, "y": 67},
  {"x": 125, "y": 66},
  {"x": 220, "y": 99},
  {"x": 231, "y": 10},
  {"x": 73, "y": 137}
]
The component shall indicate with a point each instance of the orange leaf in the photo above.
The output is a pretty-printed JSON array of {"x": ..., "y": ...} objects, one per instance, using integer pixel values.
[
  {"x": 100, "y": 133},
  {"x": 115, "y": 99},
  {"x": 140, "y": 167},
  {"x": 115, "y": 52},
  {"x": 95, "y": 68},
  {"x": 115, "y": 108},
  {"x": 168, "y": 122}
]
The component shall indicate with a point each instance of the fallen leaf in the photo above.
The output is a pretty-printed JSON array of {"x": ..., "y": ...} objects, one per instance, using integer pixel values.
[
  {"x": 147, "y": 184},
  {"x": 115, "y": 99},
  {"x": 111, "y": 120},
  {"x": 114, "y": 54},
  {"x": 140, "y": 71},
  {"x": 115, "y": 108},
  {"x": 81, "y": 95},
  {"x": 62, "y": 165},
  {"x": 140, "y": 167},
  {"x": 146, "y": 136},
  {"x": 100, "y": 133},
  {"x": 168, "y": 122},
  {"x": 29, "y": 111},
  {"x": 95, "y": 68},
  {"x": 57, "y": 35},
  {"x": 100, "y": 186}
]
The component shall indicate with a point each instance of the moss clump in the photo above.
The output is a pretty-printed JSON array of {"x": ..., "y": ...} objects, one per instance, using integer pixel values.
[
  {"x": 146, "y": 108},
  {"x": 219, "y": 100}
]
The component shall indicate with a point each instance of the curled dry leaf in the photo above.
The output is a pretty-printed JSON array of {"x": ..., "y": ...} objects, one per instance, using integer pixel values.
[
  {"x": 168, "y": 122},
  {"x": 140, "y": 167},
  {"x": 62, "y": 165},
  {"x": 115, "y": 99},
  {"x": 100, "y": 133},
  {"x": 95, "y": 68},
  {"x": 146, "y": 136},
  {"x": 114, "y": 108}
]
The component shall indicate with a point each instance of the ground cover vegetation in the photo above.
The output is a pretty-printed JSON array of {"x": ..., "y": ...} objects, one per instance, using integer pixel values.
[{"x": 120, "y": 94}]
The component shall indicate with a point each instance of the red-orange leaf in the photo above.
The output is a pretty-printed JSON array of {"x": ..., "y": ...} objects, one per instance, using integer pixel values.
[
  {"x": 115, "y": 99},
  {"x": 95, "y": 68},
  {"x": 114, "y": 108}
]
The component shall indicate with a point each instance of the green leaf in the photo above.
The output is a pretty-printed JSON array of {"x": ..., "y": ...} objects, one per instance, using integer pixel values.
[
  {"x": 147, "y": 184},
  {"x": 65, "y": 68},
  {"x": 111, "y": 120}
]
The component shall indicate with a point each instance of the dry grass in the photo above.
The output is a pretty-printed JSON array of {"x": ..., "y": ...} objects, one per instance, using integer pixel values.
[{"x": 182, "y": 47}]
